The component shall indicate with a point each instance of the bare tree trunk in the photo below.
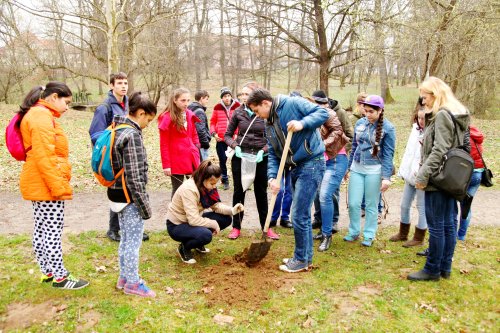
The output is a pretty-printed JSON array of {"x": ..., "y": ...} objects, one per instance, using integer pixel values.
[
  {"x": 300, "y": 75},
  {"x": 199, "y": 20},
  {"x": 323, "y": 56},
  {"x": 112, "y": 37},
  {"x": 382, "y": 64},
  {"x": 222, "y": 58},
  {"x": 82, "y": 45}
]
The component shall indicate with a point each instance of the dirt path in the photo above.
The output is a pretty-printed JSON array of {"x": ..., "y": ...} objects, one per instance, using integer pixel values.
[{"x": 89, "y": 211}]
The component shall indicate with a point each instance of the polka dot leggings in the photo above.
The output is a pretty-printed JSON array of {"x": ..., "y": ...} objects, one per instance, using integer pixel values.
[
  {"x": 132, "y": 228},
  {"x": 49, "y": 222}
]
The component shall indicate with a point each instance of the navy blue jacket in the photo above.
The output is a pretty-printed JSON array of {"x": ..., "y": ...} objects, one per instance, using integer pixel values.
[{"x": 103, "y": 117}]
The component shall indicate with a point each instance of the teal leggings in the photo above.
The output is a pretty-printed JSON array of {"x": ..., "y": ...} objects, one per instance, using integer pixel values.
[{"x": 369, "y": 185}]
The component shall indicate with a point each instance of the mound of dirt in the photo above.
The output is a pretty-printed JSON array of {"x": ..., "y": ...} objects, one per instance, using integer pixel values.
[{"x": 231, "y": 282}]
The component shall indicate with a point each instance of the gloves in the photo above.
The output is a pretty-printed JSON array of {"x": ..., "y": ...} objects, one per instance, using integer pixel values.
[
  {"x": 238, "y": 208},
  {"x": 237, "y": 151},
  {"x": 260, "y": 156}
]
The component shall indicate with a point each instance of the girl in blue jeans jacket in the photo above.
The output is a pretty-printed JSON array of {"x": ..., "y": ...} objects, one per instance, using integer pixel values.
[{"x": 371, "y": 167}]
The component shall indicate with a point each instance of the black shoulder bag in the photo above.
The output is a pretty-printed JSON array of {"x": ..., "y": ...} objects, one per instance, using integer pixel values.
[
  {"x": 455, "y": 172},
  {"x": 487, "y": 174}
]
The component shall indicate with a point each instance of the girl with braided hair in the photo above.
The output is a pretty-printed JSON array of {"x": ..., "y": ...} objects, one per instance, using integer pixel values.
[{"x": 371, "y": 167}]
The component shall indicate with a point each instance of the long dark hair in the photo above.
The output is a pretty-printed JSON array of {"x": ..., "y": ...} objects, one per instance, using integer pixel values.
[
  {"x": 175, "y": 112},
  {"x": 40, "y": 92},
  {"x": 139, "y": 101},
  {"x": 378, "y": 133},
  {"x": 205, "y": 170}
]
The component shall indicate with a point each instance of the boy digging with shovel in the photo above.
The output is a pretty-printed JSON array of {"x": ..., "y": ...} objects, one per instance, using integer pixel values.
[{"x": 305, "y": 157}]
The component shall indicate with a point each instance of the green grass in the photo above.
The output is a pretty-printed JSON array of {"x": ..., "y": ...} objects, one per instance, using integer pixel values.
[
  {"x": 353, "y": 289},
  {"x": 76, "y": 124}
]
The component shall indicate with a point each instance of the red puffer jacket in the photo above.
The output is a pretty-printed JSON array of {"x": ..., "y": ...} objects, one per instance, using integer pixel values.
[
  {"x": 220, "y": 119},
  {"x": 179, "y": 149},
  {"x": 476, "y": 137}
]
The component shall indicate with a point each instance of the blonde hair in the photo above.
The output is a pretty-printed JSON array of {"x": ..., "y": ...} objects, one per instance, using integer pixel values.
[
  {"x": 443, "y": 95},
  {"x": 175, "y": 112}
]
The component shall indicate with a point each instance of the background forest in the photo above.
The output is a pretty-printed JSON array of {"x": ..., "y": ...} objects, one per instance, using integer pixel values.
[{"x": 283, "y": 44}]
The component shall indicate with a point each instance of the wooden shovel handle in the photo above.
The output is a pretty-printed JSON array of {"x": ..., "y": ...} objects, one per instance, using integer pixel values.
[{"x": 278, "y": 180}]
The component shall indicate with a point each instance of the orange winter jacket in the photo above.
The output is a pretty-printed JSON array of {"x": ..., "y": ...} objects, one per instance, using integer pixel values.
[{"x": 47, "y": 171}]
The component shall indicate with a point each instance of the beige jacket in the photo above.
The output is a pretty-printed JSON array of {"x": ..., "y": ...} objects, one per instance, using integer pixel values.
[{"x": 186, "y": 207}]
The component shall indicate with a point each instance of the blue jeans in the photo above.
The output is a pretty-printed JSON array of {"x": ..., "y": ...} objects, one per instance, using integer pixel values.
[
  {"x": 204, "y": 153},
  {"x": 193, "y": 237},
  {"x": 367, "y": 185},
  {"x": 439, "y": 211},
  {"x": 335, "y": 198},
  {"x": 328, "y": 193},
  {"x": 306, "y": 178},
  {"x": 284, "y": 199},
  {"x": 221, "y": 147},
  {"x": 471, "y": 190},
  {"x": 409, "y": 192}
]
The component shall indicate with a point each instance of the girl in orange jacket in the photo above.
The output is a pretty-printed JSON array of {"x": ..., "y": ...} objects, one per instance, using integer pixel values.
[{"x": 45, "y": 178}]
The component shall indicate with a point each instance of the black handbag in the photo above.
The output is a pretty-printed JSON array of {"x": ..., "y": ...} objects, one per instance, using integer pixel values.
[
  {"x": 454, "y": 174},
  {"x": 487, "y": 175}
]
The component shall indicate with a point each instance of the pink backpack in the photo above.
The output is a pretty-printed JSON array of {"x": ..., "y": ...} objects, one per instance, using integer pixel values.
[{"x": 14, "y": 139}]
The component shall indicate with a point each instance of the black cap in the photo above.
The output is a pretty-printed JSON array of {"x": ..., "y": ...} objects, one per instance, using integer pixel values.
[
  {"x": 319, "y": 96},
  {"x": 225, "y": 91}
]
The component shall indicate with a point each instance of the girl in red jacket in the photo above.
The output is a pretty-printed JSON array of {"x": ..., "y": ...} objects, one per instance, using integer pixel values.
[
  {"x": 476, "y": 150},
  {"x": 179, "y": 143}
]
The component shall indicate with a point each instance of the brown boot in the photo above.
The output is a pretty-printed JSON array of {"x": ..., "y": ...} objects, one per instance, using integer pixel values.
[
  {"x": 418, "y": 238},
  {"x": 402, "y": 235}
]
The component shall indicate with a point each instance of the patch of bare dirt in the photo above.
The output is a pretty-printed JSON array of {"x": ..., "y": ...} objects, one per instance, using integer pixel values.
[
  {"x": 231, "y": 282},
  {"x": 88, "y": 320},
  {"x": 349, "y": 302},
  {"x": 24, "y": 315}
]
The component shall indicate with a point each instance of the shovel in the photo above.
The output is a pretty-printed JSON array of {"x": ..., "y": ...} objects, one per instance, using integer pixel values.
[{"x": 259, "y": 248}]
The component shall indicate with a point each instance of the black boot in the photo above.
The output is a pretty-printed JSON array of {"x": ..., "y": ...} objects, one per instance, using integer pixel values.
[
  {"x": 113, "y": 235},
  {"x": 286, "y": 224},
  {"x": 325, "y": 243},
  {"x": 316, "y": 224},
  {"x": 422, "y": 276},
  {"x": 423, "y": 253},
  {"x": 145, "y": 237},
  {"x": 318, "y": 236}
]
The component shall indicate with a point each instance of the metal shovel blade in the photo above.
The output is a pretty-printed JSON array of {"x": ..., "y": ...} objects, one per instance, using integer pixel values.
[{"x": 257, "y": 251}]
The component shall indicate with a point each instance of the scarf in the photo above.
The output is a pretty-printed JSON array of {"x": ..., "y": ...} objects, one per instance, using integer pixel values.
[{"x": 209, "y": 198}]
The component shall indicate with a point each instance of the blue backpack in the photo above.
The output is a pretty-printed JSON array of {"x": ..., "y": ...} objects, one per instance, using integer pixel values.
[{"x": 102, "y": 158}]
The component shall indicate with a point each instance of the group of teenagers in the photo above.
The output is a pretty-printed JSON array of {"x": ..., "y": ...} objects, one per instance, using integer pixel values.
[{"x": 325, "y": 149}]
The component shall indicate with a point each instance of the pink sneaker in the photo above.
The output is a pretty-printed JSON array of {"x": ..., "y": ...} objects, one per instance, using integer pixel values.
[
  {"x": 121, "y": 283},
  {"x": 271, "y": 234},
  {"x": 234, "y": 234},
  {"x": 139, "y": 289}
]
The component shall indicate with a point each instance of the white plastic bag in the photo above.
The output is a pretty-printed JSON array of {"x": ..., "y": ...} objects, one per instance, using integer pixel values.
[
  {"x": 229, "y": 153},
  {"x": 248, "y": 168}
]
